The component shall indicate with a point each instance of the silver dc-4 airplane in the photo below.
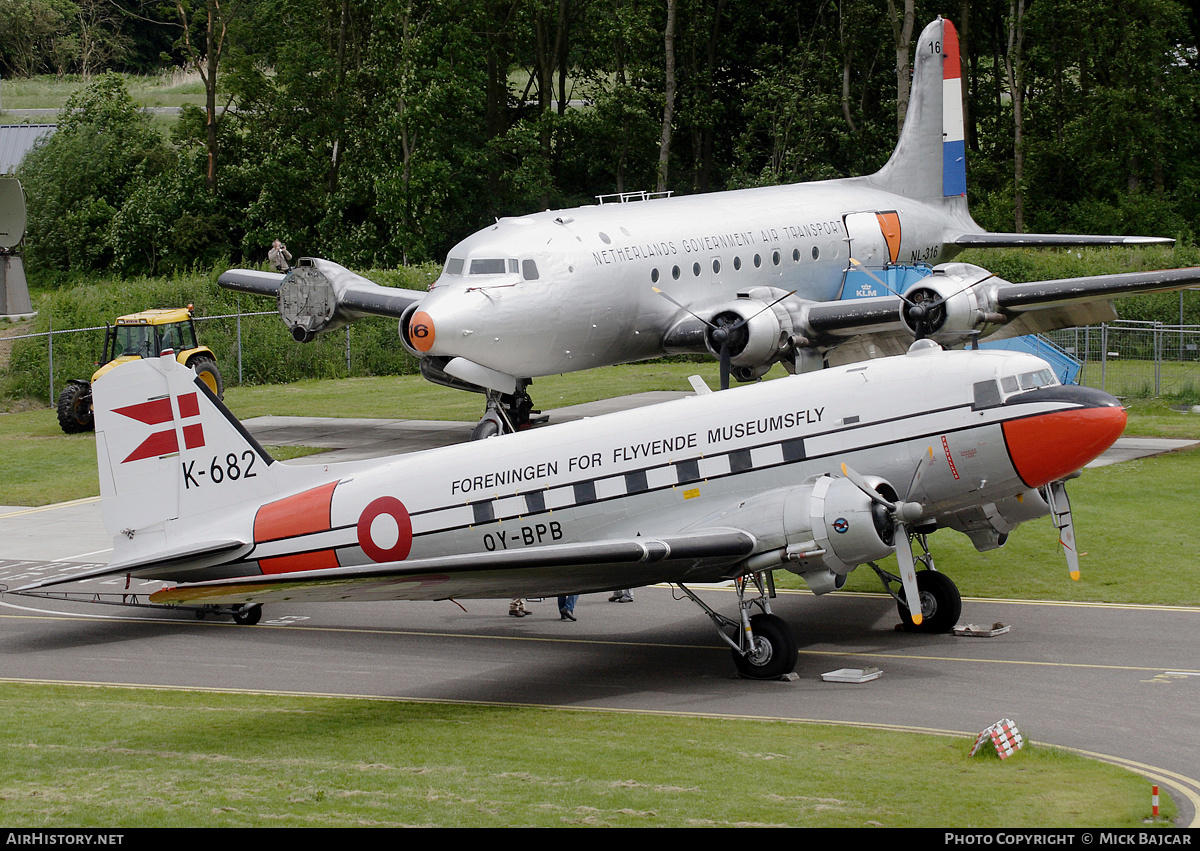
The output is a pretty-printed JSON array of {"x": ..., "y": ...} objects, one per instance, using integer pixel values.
[
  {"x": 814, "y": 473},
  {"x": 753, "y": 276}
]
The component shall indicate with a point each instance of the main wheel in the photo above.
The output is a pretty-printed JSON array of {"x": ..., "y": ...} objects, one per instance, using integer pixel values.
[
  {"x": 248, "y": 615},
  {"x": 75, "y": 408},
  {"x": 773, "y": 653},
  {"x": 206, "y": 368},
  {"x": 486, "y": 428},
  {"x": 941, "y": 604}
]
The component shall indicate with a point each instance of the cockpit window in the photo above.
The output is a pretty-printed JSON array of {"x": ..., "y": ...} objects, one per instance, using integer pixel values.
[
  {"x": 529, "y": 270},
  {"x": 454, "y": 266},
  {"x": 1028, "y": 381},
  {"x": 488, "y": 266},
  {"x": 1033, "y": 380},
  {"x": 986, "y": 395}
]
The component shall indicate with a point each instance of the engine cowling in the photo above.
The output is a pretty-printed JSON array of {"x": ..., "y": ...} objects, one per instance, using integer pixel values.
[
  {"x": 752, "y": 329},
  {"x": 839, "y": 524},
  {"x": 953, "y": 304}
]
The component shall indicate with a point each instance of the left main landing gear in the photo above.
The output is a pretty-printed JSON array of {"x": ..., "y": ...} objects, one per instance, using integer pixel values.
[{"x": 764, "y": 647}]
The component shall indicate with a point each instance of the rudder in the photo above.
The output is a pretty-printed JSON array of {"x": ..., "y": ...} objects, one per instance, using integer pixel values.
[{"x": 929, "y": 162}]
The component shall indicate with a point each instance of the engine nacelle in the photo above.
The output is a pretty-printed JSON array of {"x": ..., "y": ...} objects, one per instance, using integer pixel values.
[
  {"x": 953, "y": 304},
  {"x": 758, "y": 331},
  {"x": 311, "y": 297},
  {"x": 988, "y": 525}
]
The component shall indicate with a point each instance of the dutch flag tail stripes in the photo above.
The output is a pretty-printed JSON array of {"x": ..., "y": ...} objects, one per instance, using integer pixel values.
[{"x": 954, "y": 146}]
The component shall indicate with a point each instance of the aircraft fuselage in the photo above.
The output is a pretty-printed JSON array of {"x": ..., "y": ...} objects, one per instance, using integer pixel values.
[{"x": 566, "y": 290}]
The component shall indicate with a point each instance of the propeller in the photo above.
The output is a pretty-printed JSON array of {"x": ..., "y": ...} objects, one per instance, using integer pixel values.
[
  {"x": 925, "y": 310},
  {"x": 902, "y": 513},
  {"x": 725, "y": 331}
]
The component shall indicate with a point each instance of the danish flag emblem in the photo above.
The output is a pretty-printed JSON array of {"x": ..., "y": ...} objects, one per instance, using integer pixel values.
[{"x": 159, "y": 411}]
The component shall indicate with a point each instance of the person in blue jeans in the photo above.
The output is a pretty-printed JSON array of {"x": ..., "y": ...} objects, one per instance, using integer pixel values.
[{"x": 566, "y": 607}]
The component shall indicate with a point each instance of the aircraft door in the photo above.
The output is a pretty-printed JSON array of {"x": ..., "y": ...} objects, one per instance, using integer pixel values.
[{"x": 874, "y": 238}]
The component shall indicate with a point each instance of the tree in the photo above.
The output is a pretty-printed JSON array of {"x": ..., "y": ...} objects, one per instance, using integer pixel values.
[{"x": 79, "y": 178}]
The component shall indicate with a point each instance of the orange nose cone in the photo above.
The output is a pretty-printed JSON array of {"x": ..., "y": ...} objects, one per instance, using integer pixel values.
[
  {"x": 1047, "y": 447},
  {"x": 420, "y": 331}
]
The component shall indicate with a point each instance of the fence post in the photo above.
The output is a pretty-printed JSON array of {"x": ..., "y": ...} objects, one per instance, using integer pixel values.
[
  {"x": 50, "y": 343},
  {"x": 239, "y": 338},
  {"x": 1103, "y": 354},
  {"x": 1158, "y": 336}
]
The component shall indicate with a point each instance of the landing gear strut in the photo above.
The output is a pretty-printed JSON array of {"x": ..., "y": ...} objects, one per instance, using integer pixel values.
[
  {"x": 763, "y": 645},
  {"x": 507, "y": 413},
  {"x": 941, "y": 604}
]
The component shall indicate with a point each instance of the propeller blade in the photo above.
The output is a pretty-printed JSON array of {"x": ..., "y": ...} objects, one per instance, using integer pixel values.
[
  {"x": 682, "y": 307},
  {"x": 725, "y": 365},
  {"x": 1060, "y": 511},
  {"x": 902, "y": 511},
  {"x": 908, "y": 573}
]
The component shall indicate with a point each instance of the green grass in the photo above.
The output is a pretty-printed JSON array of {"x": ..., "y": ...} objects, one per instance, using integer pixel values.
[
  {"x": 48, "y": 91},
  {"x": 102, "y": 757}
]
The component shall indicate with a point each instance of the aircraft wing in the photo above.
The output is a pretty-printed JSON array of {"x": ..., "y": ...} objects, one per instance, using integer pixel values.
[
  {"x": 960, "y": 301},
  {"x": 535, "y": 572},
  {"x": 319, "y": 295}
]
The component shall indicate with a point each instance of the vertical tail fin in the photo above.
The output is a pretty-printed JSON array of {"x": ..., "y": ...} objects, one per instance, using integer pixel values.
[
  {"x": 929, "y": 162},
  {"x": 167, "y": 450}
]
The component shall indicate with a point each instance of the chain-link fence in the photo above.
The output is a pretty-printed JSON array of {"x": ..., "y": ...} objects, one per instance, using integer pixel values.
[
  {"x": 1131, "y": 359},
  {"x": 251, "y": 348},
  {"x": 1136, "y": 359}
]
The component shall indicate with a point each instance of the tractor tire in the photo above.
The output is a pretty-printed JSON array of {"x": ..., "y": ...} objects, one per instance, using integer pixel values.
[
  {"x": 75, "y": 408},
  {"x": 206, "y": 368}
]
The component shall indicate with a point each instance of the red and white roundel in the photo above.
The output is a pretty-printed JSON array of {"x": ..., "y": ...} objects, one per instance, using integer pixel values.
[{"x": 385, "y": 530}]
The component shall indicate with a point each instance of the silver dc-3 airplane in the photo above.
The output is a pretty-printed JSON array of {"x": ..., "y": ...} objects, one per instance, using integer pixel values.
[
  {"x": 753, "y": 276},
  {"x": 814, "y": 473}
]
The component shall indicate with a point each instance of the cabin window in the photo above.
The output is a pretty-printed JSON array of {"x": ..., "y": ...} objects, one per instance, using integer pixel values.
[
  {"x": 816, "y": 252},
  {"x": 737, "y": 263},
  {"x": 454, "y": 266},
  {"x": 488, "y": 266},
  {"x": 696, "y": 269},
  {"x": 757, "y": 261},
  {"x": 775, "y": 258},
  {"x": 716, "y": 267},
  {"x": 654, "y": 276},
  {"x": 795, "y": 255},
  {"x": 529, "y": 270},
  {"x": 675, "y": 272}
]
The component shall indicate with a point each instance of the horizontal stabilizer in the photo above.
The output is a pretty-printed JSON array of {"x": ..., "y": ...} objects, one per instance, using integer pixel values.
[
  {"x": 1049, "y": 240},
  {"x": 542, "y": 571},
  {"x": 162, "y": 559}
]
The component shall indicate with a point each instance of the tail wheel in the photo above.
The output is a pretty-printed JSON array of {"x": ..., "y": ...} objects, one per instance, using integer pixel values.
[
  {"x": 75, "y": 408},
  {"x": 206, "y": 368},
  {"x": 773, "y": 653},
  {"x": 941, "y": 604}
]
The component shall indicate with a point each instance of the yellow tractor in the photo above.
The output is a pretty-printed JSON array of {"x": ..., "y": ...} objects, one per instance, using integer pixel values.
[{"x": 140, "y": 335}]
